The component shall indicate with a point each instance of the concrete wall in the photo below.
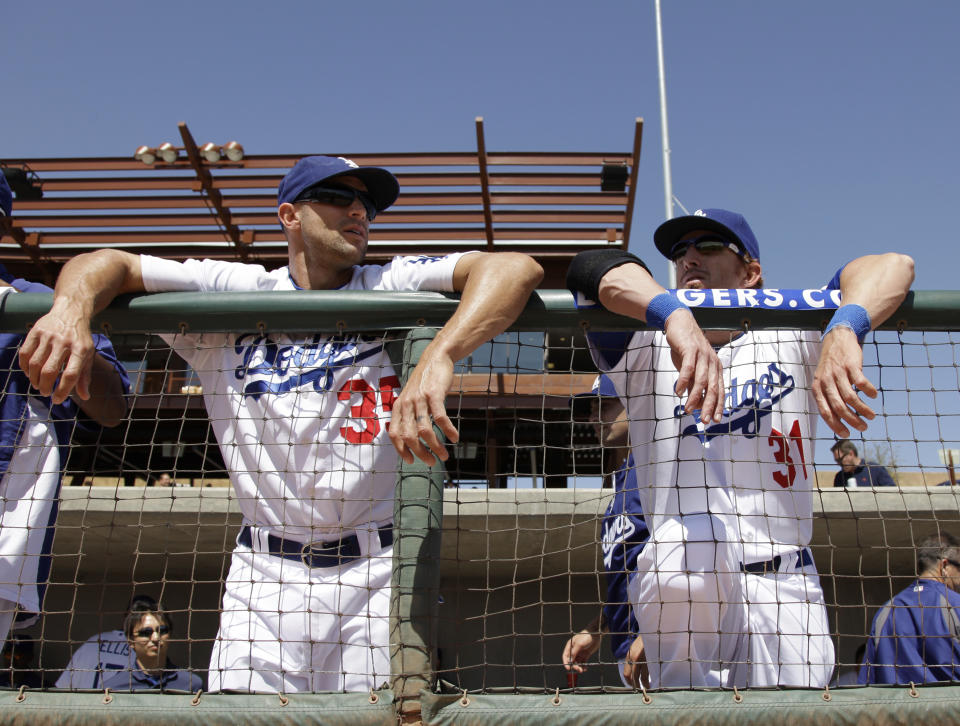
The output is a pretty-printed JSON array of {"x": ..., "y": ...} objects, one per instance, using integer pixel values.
[{"x": 519, "y": 569}]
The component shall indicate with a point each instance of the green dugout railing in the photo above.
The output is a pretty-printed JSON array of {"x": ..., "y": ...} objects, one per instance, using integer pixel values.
[
  {"x": 312, "y": 310},
  {"x": 414, "y": 693}
]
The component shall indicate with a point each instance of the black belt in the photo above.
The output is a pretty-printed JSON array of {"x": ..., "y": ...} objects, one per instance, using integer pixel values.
[
  {"x": 804, "y": 559},
  {"x": 317, "y": 554}
]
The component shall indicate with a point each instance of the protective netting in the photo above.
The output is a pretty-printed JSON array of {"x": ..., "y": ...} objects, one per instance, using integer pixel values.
[
  {"x": 528, "y": 569},
  {"x": 525, "y": 535}
]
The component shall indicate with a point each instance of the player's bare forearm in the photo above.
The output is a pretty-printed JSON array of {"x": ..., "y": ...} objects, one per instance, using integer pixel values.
[
  {"x": 628, "y": 290},
  {"x": 60, "y": 343},
  {"x": 495, "y": 288},
  {"x": 877, "y": 283}
]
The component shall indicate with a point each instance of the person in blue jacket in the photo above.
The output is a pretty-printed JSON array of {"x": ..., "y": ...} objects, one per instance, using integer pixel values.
[
  {"x": 854, "y": 471},
  {"x": 915, "y": 637},
  {"x": 623, "y": 537},
  {"x": 35, "y": 435}
]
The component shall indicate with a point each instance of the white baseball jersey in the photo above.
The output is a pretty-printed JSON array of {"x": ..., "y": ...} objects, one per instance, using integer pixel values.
[
  {"x": 717, "y": 499},
  {"x": 302, "y": 425},
  {"x": 301, "y": 420},
  {"x": 103, "y": 653},
  {"x": 754, "y": 469}
]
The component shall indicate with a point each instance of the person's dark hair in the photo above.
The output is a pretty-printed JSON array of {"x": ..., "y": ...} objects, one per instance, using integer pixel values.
[
  {"x": 936, "y": 547},
  {"x": 846, "y": 446},
  {"x": 141, "y": 602},
  {"x": 142, "y": 605}
]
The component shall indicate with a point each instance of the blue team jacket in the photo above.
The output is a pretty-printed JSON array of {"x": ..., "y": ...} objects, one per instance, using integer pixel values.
[
  {"x": 915, "y": 637},
  {"x": 867, "y": 475},
  {"x": 624, "y": 535}
]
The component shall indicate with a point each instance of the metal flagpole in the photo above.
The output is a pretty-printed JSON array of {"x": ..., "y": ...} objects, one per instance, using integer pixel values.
[{"x": 665, "y": 135}]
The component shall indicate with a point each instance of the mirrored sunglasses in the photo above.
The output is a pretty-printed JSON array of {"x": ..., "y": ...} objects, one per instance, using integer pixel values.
[
  {"x": 339, "y": 197},
  {"x": 148, "y": 632},
  {"x": 708, "y": 244}
]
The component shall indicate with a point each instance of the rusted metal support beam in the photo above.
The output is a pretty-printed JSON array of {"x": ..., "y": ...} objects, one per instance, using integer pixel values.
[
  {"x": 211, "y": 192},
  {"x": 549, "y": 204},
  {"x": 7, "y": 227},
  {"x": 30, "y": 243},
  {"x": 634, "y": 171},
  {"x": 484, "y": 183}
]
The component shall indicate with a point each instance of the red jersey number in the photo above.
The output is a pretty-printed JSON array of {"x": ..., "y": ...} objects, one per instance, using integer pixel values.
[
  {"x": 781, "y": 446},
  {"x": 364, "y": 423}
]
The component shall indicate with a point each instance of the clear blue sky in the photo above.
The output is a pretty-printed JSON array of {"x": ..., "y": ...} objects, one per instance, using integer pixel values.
[{"x": 831, "y": 125}]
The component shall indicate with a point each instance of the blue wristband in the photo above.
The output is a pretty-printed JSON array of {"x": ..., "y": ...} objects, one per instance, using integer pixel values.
[
  {"x": 660, "y": 309},
  {"x": 851, "y": 316}
]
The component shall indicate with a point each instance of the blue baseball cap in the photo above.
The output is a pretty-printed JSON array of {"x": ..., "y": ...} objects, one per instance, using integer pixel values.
[
  {"x": 729, "y": 225},
  {"x": 6, "y": 196},
  {"x": 602, "y": 387},
  {"x": 382, "y": 186}
]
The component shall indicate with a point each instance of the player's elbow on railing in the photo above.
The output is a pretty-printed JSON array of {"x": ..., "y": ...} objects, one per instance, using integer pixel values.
[
  {"x": 523, "y": 269},
  {"x": 900, "y": 264}
]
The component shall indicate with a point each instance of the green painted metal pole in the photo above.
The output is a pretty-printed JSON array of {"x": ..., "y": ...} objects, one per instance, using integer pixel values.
[{"x": 418, "y": 518}]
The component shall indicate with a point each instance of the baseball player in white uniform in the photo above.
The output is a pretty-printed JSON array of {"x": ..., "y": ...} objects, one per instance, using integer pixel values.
[
  {"x": 302, "y": 422},
  {"x": 35, "y": 434},
  {"x": 726, "y": 592}
]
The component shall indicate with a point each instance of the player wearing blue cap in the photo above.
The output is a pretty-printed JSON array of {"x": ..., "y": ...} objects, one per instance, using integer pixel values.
[
  {"x": 302, "y": 422},
  {"x": 726, "y": 592},
  {"x": 624, "y": 532},
  {"x": 35, "y": 434},
  {"x": 915, "y": 637}
]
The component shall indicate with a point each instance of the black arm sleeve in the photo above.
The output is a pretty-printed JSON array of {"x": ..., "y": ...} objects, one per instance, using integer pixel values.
[{"x": 588, "y": 268}]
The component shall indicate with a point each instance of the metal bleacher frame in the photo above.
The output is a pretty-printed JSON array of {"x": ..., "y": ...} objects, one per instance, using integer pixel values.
[{"x": 550, "y": 205}]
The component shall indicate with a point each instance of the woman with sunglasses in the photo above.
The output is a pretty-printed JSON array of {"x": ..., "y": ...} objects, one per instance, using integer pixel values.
[{"x": 148, "y": 628}]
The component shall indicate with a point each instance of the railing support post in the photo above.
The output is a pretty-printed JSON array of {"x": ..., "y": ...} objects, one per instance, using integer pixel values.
[{"x": 418, "y": 517}]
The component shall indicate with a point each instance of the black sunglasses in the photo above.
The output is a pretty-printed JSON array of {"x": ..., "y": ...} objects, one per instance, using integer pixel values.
[
  {"x": 339, "y": 197},
  {"x": 148, "y": 632},
  {"x": 953, "y": 562},
  {"x": 705, "y": 244}
]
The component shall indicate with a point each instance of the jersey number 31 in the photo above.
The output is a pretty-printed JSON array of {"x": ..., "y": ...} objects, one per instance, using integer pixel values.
[{"x": 781, "y": 447}]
